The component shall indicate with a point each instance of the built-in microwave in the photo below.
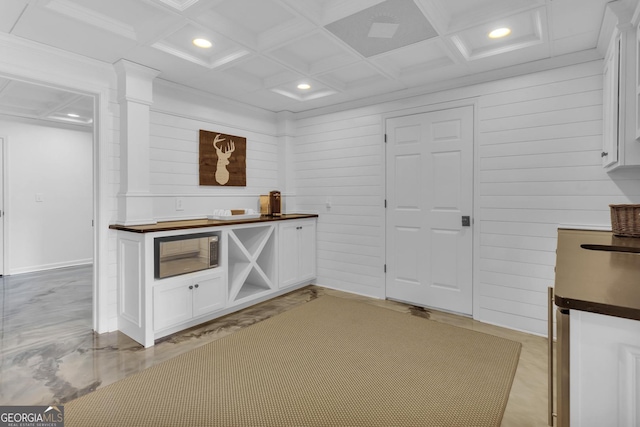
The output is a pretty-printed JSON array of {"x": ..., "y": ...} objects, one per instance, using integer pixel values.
[{"x": 175, "y": 255}]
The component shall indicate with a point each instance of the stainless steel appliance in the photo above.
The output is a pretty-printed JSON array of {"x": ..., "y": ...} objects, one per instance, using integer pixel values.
[{"x": 175, "y": 255}]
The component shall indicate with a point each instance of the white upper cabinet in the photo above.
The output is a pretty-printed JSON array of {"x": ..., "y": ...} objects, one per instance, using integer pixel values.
[{"x": 621, "y": 87}]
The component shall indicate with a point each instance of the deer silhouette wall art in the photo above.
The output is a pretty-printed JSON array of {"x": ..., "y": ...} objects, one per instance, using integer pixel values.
[
  {"x": 224, "y": 152},
  {"x": 222, "y": 159}
]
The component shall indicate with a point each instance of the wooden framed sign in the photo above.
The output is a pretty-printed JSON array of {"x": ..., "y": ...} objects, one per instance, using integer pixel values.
[{"x": 223, "y": 159}]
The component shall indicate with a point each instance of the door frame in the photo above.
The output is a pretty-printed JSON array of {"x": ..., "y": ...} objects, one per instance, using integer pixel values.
[
  {"x": 101, "y": 96},
  {"x": 475, "y": 246}
]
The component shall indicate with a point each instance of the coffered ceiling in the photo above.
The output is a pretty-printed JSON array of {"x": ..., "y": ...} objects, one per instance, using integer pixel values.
[{"x": 262, "y": 50}]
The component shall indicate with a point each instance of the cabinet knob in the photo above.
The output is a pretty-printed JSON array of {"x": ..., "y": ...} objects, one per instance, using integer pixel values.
[
  {"x": 604, "y": 154},
  {"x": 190, "y": 287},
  {"x": 197, "y": 285}
]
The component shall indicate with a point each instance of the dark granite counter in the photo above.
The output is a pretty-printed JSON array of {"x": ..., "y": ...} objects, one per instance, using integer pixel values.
[
  {"x": 201, "y": 223},
  {"x": 598, "y": 272}
]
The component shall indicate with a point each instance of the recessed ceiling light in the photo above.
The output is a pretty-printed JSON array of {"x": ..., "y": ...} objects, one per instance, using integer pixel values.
[
  {"x": 203, "y": 43},
  {"x": 75, "y": 116},
  {"x": 499, "y": 32},
  {"x": 304, "y": 86}
]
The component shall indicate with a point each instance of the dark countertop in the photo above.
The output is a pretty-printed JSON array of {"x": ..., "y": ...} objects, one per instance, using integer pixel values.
[
  {"x": 598, "y": 272},
  {"x": 201, "y": 223}
]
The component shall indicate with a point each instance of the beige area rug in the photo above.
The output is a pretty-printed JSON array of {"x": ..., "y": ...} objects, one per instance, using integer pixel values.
[{"x": 329, "y": 362}]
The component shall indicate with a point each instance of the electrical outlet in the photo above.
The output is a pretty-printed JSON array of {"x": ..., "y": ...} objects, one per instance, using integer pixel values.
[{"x": 179, "y": 204}]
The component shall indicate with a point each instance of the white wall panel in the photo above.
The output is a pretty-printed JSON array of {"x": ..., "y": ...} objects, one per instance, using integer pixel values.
[
  {"x": 536, "y": 106},
  {"x": 511, "y": 320},
  {"x": 517, "y": 242},
  {"x": 539, "y": 167},
  {"x": 510, "y": 294},
  {"x": 538, "y": 143},
  {"x": 338, "y": 163},
  {"x": 524, "y": 121},
  {"x": 553, "y": 217},
  {"x": 522, "y": 309},
  {"x": 174, "y": 158},
  {"x": 509, "y": 281},
  {"x": 562, "y": 85},
  {"x": 540, "y": 133},
  {"x": 543, "y": 174},
  {"x": 527, "y": 256},
  {"x": 519, "y": 229},
  {"x": 343, "y": 172},
  {"x": 560, "y": 188},
  {"x": 560, "y": 145},
  {"x": 57, "y": 164}
]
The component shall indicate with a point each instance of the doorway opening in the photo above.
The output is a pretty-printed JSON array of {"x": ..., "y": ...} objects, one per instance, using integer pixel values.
[{"x": 47, "y": 199}]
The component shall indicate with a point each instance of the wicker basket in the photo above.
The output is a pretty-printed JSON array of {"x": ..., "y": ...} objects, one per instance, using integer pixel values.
[{"x": 625, "y": 220}]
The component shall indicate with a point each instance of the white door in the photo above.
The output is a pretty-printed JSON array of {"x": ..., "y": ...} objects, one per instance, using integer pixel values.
[{"x": 429, "y": 192}]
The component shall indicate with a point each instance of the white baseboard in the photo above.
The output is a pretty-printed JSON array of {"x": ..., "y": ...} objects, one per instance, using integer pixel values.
[{"x": 53, "y": 266}]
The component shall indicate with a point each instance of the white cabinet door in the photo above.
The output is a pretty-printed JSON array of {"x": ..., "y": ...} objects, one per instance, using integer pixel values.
[
  {"x": 297, "y": 252},
  {"x": 172, "y": 301},
  {"x": 177, "y": 301},
  {"x": 288, "y": 253},
  {"x": 610, "y": 104},
  {"x": 605, "y": 370},
  {"x": 307, "y": 251},
  {"x": 208, "y": 295},
  {"x": 621, "y": 87}
]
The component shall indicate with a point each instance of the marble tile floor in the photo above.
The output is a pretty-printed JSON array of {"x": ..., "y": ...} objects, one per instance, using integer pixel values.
[{"x": 49, "y": 355}]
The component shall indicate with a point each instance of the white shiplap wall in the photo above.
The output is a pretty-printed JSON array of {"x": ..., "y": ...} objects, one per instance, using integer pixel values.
[
  {"x": 338, "y": 160},
  {"x": 540, "y": 166},
  {"x": 538, "y": 144},
  {"x": 177, "y": 116}
]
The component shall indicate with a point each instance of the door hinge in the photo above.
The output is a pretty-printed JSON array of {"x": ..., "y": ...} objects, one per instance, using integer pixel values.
[
  {"x": 385, "y": 203},
  {"x": 385, "y": 137},
  {"x": 385, "y": 268}
]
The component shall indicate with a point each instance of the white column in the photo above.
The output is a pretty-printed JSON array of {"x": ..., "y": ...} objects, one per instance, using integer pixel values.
[
  {"x": 135, "y": 90},
  {"x": 285, "y": 134}
]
